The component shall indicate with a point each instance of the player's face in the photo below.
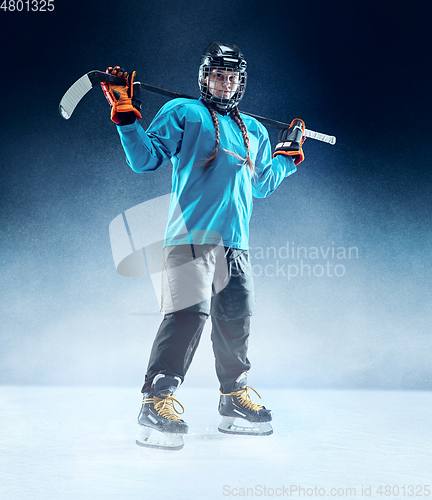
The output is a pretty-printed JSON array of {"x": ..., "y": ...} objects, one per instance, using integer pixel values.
[{"x": 223, "y": 83}]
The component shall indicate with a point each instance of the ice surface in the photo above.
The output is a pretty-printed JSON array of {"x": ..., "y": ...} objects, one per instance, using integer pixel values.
[{"x": 79, "y": 443}]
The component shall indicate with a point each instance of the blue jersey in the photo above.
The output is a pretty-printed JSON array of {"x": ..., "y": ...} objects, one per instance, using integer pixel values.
[{"x": 219, "y": 201}]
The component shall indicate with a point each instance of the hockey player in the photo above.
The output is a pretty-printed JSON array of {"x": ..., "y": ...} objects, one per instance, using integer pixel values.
[{"x": 220, "y": 158}]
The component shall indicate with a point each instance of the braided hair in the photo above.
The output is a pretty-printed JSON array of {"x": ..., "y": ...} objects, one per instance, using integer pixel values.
[{"x": 235, "y": 115}]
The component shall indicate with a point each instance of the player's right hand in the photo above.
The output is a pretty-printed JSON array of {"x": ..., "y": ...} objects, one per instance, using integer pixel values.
[{"x": 124, "y": 99}]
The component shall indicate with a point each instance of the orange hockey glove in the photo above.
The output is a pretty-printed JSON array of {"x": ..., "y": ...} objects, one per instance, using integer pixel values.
[
  {"x": 290, "y": 141},
  {"x": 124, "y": 99}
]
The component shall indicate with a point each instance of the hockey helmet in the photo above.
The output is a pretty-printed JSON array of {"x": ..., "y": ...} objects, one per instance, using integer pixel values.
[{"x": 222, "y": 76}]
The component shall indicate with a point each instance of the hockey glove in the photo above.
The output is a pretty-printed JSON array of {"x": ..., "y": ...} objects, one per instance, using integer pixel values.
[
  {"x": 290, "y": 141},
  {"x": 124, "y": 99}
]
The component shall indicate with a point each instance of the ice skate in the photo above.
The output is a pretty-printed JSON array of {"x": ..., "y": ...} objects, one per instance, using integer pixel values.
[
  {"x": 159, "y": 425},
  {"x": 240, "y": 415}
]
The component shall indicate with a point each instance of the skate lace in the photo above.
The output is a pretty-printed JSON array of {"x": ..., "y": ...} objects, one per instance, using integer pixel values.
[
  {"x": 245, "y": 399},
  {"x": 166, "y": 407}
]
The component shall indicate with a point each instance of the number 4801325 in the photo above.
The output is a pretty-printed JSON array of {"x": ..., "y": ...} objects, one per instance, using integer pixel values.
[{"x": 27, "y": 5}]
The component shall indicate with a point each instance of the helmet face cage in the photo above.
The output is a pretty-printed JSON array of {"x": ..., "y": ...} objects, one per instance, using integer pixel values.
[
  {"x": 223, "y": 87},
  {"x": 222, "y": 76}
]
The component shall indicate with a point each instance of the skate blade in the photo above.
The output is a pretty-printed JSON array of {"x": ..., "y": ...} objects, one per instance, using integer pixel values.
[
  {"x": 227, "y": 425},
  {"x": 151, "y": 438}
]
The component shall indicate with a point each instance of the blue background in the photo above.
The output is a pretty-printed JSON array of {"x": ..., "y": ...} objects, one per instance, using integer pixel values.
[{"x": 357, "y": 71}]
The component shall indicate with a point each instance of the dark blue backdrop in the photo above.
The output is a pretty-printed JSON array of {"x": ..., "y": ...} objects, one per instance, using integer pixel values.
[{"x": 358, "y": 71}]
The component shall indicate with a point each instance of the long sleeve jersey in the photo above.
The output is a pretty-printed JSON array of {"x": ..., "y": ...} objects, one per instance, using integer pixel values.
[{"x": 217, "y": 204}]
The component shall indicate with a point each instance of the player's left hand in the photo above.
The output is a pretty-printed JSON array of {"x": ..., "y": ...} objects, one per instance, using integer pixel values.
[
  {"x": 290, "y": 141},
  {"x": 124, "y": 99}
]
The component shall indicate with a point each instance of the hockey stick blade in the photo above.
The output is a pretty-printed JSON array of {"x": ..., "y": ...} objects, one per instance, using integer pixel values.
[{"x": 80, "y": 88}]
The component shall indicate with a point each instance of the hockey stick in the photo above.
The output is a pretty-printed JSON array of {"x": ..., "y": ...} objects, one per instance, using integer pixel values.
[{"x": 80, "y": 88}]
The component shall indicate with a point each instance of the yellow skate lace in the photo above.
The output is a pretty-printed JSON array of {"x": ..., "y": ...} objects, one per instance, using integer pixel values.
[
  {"x": 245, "y": 400},
  {"x": 166, "y": 407}
]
